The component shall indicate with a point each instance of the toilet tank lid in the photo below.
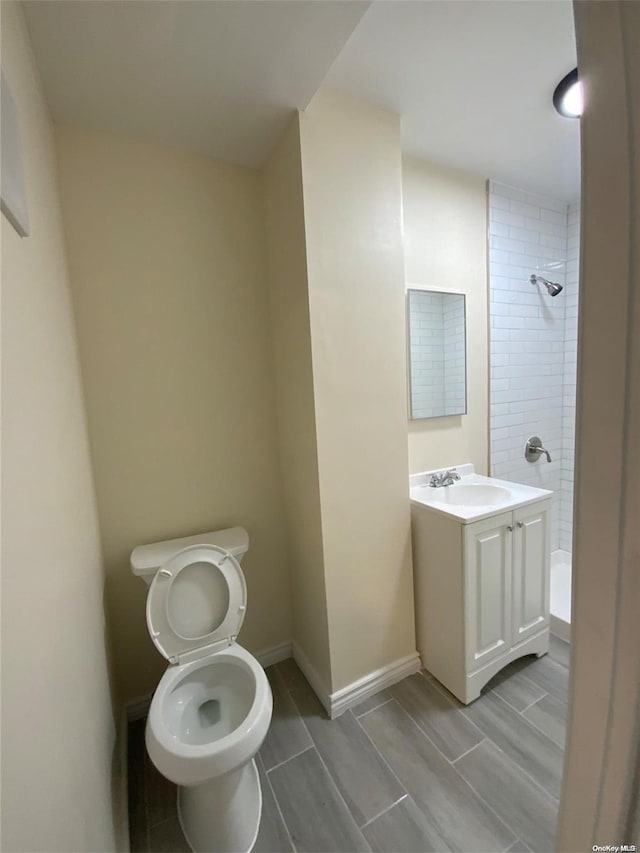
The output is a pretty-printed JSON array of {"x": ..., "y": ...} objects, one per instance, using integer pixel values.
[{"x": 147, "y": 559}]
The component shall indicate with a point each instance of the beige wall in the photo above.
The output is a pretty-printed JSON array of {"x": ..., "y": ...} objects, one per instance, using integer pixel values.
[
  {"x": 352, "y": 207},
  {"x": 296, "y": 411},
  {"x": 445, "y": 232},
  {"x": 168, "y": 268},
  {"x": 57, "y": 721}
]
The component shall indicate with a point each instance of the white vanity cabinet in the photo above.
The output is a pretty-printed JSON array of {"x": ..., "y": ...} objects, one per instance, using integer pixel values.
[{"x": 482, "y": 592}]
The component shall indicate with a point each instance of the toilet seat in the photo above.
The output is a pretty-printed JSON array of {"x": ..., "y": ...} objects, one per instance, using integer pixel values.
[{"x": 196, "y": 603}]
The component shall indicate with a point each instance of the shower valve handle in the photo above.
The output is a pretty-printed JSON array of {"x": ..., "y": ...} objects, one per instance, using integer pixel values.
[{"x": 533, "y": 449}]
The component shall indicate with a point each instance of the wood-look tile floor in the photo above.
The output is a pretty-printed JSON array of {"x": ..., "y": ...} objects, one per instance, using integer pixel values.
[{"x": 410, "y": 769}]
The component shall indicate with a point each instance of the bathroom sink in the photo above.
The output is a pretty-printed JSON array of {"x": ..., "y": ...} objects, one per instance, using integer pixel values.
[
  {"x": 473, "y": 497},
  {"x": 471, "y": 494}
]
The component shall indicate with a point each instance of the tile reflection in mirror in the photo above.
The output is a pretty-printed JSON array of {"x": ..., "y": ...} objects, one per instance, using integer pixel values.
[{"x": 437, "y": 354}]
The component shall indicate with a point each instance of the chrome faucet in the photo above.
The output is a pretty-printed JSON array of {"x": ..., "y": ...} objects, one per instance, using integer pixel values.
[{"x": 444, "y": 479}]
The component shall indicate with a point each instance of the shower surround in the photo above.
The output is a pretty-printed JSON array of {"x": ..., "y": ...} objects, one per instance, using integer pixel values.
[{"x": 533, "y": 347}]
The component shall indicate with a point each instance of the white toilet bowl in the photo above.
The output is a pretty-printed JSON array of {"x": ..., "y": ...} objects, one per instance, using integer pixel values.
[{"x": 211, "y": 710}]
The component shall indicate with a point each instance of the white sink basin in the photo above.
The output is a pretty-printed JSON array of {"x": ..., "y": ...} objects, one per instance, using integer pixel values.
[
  {"x": 470, "y": 494},
  {"x": 473, "y": 497}
]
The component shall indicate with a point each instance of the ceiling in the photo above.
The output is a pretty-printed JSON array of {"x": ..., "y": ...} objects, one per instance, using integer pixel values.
[
  {"x": 472, "y": 79},
  {"x": 473, "y": 82},
  {"x": 220, "y": 78}
]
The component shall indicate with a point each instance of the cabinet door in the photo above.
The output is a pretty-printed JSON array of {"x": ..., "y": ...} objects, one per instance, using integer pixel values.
[
  {"x": 531, "y": 564},
  {"x": 488, "y": 547}
]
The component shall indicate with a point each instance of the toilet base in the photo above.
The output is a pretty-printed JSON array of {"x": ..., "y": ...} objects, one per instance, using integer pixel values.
[{"x": 222, "y": 815}]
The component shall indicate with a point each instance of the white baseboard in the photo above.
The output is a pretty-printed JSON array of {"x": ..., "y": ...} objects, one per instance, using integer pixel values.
[
  {"x": 560, "y": 628},
  {"x": 340, "y": 701},
  {"x": 275, "y": 654},
  {"x": 369, "y": 684}
]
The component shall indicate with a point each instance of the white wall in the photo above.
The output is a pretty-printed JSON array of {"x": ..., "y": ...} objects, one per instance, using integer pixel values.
[
  {"x": 353, "y": 223},
  {"x": 445, "y": 246},
  {"x": 57, "y": 720},
  {"x": 168, "y": 264}
]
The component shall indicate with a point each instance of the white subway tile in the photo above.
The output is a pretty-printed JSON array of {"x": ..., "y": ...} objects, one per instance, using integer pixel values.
[
  {"x": 498, "y": 229},
  {"x": 538, "y": 226},
  {"x": 525, "y": 235},
  {"x": 552, "y": 216},
  {"x": 526, "y": 210},
  {"x": 499, "y": 202}
]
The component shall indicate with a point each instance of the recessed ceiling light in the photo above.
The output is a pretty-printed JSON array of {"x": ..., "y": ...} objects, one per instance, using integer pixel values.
[{"x": 567, "y": 98}]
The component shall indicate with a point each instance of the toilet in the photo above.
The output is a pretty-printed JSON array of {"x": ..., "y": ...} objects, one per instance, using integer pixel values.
[{"x": 211, "y": 710}]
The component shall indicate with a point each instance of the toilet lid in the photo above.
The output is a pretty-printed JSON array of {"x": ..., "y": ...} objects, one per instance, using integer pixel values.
[{"x": 196, "y": 603}]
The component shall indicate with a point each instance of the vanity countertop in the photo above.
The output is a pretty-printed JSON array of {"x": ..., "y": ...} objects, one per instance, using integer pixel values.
[{"x": 473, "y": 497}]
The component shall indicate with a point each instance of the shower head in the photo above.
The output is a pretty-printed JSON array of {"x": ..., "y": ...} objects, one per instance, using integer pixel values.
[{"x": 553, "y": 288}]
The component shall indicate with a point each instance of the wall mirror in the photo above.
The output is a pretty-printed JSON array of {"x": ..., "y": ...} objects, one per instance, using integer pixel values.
[{"x": 436, "y": 324}]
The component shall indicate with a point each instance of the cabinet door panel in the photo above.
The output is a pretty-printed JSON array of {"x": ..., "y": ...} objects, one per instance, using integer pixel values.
[
  {"x": 531, "y": 570},
  {"x": 488, "y": 589}
]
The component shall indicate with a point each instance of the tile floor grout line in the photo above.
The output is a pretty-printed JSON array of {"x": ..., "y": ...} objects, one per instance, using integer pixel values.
[
  {"x": 530, "y": 705},
  {"x": 370, "y": 710},
  {"x": 315, "y": 746},
  {"x": 545, "y": 735},
  {"x": 560, "y": 745},
  {"x": 291, "y": 757},
  {"x": 339, "y": 793},
  {"x": 319, "y": 754},
  {"x": 466, "y": 716},
  {"x": 526, "y": 773},
  {"x": 438, "y": 686},
  {"x": 462, "y": 779},
  {"x": 531, "y": 779},
  {"x": 540, "y": 687},
  {"x": 549, "y": 796},
  {"x": 506, "y": 850},
  {"x": 377, "y": 751},
  {"x": 424, "y": 734},
  {"x": 475, "y": 746},
  {"x": 430, "y": 739},
  {"x": 498, "y": 817},
  {"x": 384, "y": 811},
  {"x": 275, "y": 800},
  {"x": 401, "y": 706}
]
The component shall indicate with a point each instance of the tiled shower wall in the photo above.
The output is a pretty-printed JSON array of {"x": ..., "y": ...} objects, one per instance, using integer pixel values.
[{"x": 533, "y": 342}]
